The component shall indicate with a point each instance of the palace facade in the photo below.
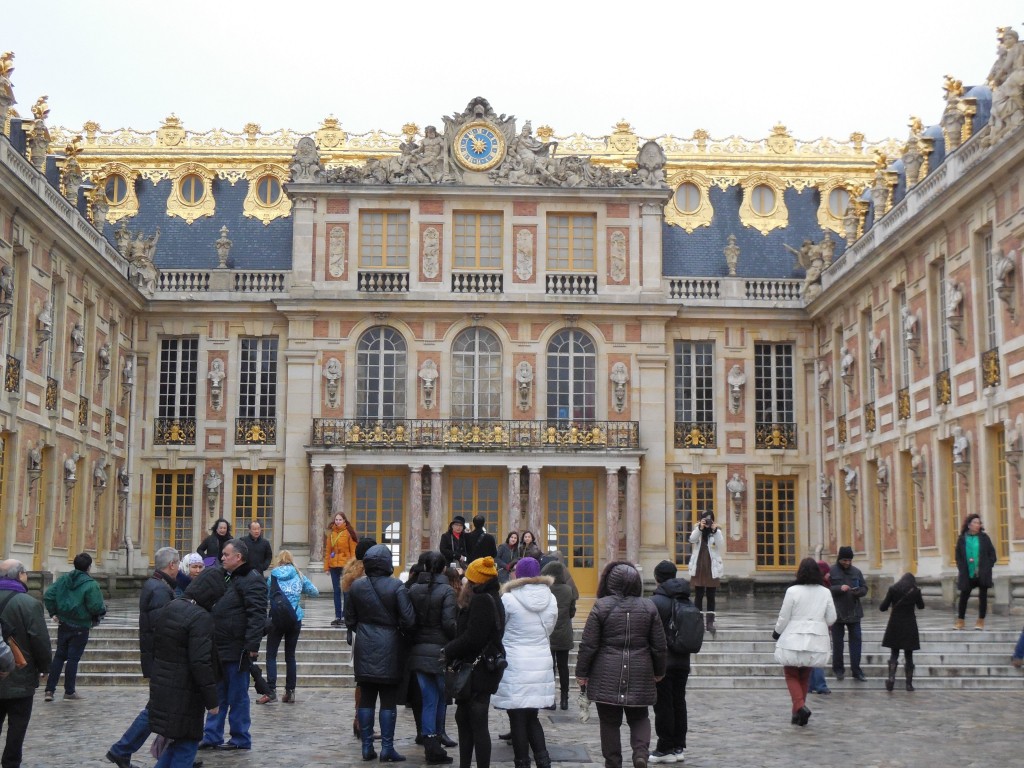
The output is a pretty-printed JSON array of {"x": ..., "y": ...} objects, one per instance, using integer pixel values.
[{"x": 592, "y": 338}]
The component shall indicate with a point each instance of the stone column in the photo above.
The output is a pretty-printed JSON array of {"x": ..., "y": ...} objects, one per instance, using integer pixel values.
[
  {"x": 611, "y": 492},
  {"x": 533, "y": 520},
  {"x": 514, "y": 510},
  {"x": 338, "y": 491},
  {"x": 414, "y": 541},
  {"x": 316, "y": 516},
  {"x": 633, "y": 515},
  {"x": 437, "y": 525}
]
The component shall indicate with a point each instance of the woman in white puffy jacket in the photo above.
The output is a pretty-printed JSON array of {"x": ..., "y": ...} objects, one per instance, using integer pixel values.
[
  {"x": 802, "y": 634},
  {"x": 529, "y": 681},
  {"x": 707, "y": 545}
]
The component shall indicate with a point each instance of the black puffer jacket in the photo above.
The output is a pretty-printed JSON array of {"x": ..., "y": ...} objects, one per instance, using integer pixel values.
[
  {"x": 240, "y": 615},
  {"x": 260, "y": 552},
  {"x": 561, "y": 638},
  {"x": 25, "y": 614},
  {"x": 157, "y": 592},
  {"x": 664, "y": 596},
  {"x": 379, "y": 610},
  {"x": 183, "y": 684},
  {"x": 623, "y": 647},
  {"x": 434, "y": 601},
  {"x": 481, "y": 625}
]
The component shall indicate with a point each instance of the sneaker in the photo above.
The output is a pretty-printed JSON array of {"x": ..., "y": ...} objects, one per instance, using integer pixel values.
[
  {"x": 840, "y": 676},
  {"x": 859, "y": 677},
  {"x": 73, "y": 696},
  {"x": 337, "y": 623},
  {"x": 120, "y": 762},
  {"x": 48, "y": 696},
  {"x": 661, "y": 757},
  {"x": 680, "y": 754}
]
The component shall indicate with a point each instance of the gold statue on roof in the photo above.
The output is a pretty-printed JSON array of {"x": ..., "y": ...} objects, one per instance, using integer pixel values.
[
  {"x": 74, "y": 147},
  {"x": 952, "y": 87},
  {"x": 6, "y": 63},
  {"x": 40, "y": 110}
]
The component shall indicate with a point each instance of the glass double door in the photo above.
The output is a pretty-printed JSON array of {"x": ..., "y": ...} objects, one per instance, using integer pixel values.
[{"x": 571, "y": 525}]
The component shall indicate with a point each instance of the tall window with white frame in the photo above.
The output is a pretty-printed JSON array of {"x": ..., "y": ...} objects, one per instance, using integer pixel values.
[
  {"x": 773, "y": 391},
  {"x": 901, "y": 301},
  {"x": 257, "y": 386},
  {"x": 942, "y": 305},
  {"x": 476, "y": 375},
  {"x": 991, "y": 313},
  {"x": 572, "y": 377},
  {"x": 868, "y": 354},
  {"x": 176, "y": 403},
  {"x": 380, "y": 375},
  {"x": 695, "y": 400}
]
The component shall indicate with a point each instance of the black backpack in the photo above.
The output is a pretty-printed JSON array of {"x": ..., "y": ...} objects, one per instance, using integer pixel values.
[
  {"x": 685, "y": 632},
  {"x": 282, "y": 614}
]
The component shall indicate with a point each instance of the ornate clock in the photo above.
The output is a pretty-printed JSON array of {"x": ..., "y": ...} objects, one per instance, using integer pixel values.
[{"x": 479, "y": 146}]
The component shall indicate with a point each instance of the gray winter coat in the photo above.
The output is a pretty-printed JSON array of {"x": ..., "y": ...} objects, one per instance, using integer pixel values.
[
  {"x": 848, "y": 607},
  {"x": 562, "y": 637}
]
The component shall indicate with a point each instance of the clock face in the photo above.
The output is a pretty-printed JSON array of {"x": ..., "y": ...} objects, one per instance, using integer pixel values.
[{"x": 479, "y": 147}]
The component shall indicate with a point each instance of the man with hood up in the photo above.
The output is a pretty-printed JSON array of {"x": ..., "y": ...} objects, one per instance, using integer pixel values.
[
  {"x": 183, "y": 681},
  {"x": 76, "y": 601},
  {"x": 670, "y": 708}
]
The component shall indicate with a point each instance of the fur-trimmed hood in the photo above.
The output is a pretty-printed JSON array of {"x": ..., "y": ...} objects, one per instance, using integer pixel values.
[
  {"x": 508, "y": 586},
  {"x": 354, "y": 570}
]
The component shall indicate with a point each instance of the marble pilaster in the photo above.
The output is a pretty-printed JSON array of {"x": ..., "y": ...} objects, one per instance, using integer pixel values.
[
  {"x": 316, "y": 515},
  {"x": 514, "y": 508},
  {"x": 437, "y": 525},
  {"x": 415, "y": 525},
  {"x": 534, "y": 521},
  {"x": 338, "y": 491},
  {"x": 633, "y": 515},
  {"x": 611, "y": 493}
]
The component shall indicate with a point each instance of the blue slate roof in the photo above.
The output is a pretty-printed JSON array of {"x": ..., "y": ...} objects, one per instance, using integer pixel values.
[
  {"x": 699, "y": 254},
  {"x": 191, "y": 246}
]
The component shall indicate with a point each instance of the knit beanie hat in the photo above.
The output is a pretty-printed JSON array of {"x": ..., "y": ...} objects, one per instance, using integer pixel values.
[
  {"x": 363, "y": 547},
  {"x": 845, "y": 553},
  {"x": 527, "y": 568},
  {"x": 481, "y": 570},
  {"x": 664, "y": 571}
]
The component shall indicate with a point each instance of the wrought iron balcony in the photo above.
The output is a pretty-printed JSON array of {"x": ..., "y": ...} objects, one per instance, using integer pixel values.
[
  {"x": 903, "y": 404},
  {"x": 696, "y": 434},
  {"x": 12, "y": 374},
  {"x": 52, "y": 393},
  {"x": 255, "y": 431},
  {"x": 178, "y": 431},
  {"x": 943, "y": 388},
  {"x": 991, "y": 375},
  {"x": 869, "y": 417},
  {"x": 777, "y": 435},
  {"x": 491, "y": 435}
]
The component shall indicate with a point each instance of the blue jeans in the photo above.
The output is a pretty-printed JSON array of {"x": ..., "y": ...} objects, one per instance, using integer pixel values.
[
  {"x": 339, "y": 596},
  {"x": 1018, "y": 652},
  {"x": 291, "y": 639},
  {"x": 233, "y": 700},
  {"x": 71, "y": 643},
  {"x": 180, "y": 753},
  {"x": 134, "y": 737},
  {"x": 818, "y": 684},
  {"x": 434, "y": 709},
  {"x": 837, "y": 647}
]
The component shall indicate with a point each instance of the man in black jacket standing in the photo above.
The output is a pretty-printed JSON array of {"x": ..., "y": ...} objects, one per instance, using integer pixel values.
[
  {"x": 23, "y": 613},
  {"x": 848, "y": 587},
  {"x": 479, "y": 543},
  {"x": 670, "y": 708},
  {"x": 239, "y": 618},
  {"x": 157, "y": 592},
  {"x": 260, "y": 551},
  {"x": 453, "y": 544}
]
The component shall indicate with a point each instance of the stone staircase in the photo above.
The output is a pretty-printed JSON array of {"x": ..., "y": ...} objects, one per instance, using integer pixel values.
[{"x": 740, "y": 656}]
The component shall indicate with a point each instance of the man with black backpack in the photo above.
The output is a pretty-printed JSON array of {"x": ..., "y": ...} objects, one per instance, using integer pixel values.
[{"x": 684, "y": 631}]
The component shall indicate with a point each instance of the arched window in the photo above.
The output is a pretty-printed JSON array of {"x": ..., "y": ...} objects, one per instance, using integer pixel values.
[
  {"x": 572, "y": 376},
  {"x": 476, "y": 375},
  {"x": 380, "y": 375}
]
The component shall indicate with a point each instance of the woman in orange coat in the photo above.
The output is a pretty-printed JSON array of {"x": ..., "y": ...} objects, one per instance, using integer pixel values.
[{"x": 339, "y": 549}]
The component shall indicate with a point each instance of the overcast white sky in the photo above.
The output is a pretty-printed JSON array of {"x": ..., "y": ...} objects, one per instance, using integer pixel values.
[{"x": 733, "y": 67}]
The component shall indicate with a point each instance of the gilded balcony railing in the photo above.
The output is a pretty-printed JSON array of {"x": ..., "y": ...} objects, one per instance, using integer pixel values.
[
  {"x": 255, "y": 431},
  {"x": 943, "y": 388},
  {"x": 869, "y": 417},
  {"x": 903, "y": 404},
  {"x": 775, "y": 434},
  {"x": 52, "y": 389},
  {"x": 180, "y": 431},
  {"x": 695, "y": 434},
  {"x": 459, "y": 435},
  {"x": 12, "y": 374},
  {"x": 991, "y": 375},
  {"x": 841, "y": 434}
]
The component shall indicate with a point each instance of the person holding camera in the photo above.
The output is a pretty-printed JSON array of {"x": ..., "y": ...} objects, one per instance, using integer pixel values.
[
  {"x": 848, "y": 587},
  {"x": 528, "y": 684},
  {"x": 707, "y": 544}
]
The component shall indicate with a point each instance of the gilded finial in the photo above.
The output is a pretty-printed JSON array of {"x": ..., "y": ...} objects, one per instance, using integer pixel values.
[
  {"x": 409, "y": 130},
  {"x": 952, "y": 86},
  {"x": 545, "y": 132},
  {"x": 171, "y": 121},
  {"x": 881, "y": 161},
  {"x": 74, "y": 148},
  {"x": 916, "y": 127},
  {"x": 6, "y": 63},
  {"x": 330, "y": 122},
  {"x": 780, "y": 130},
  {"x": 623, "y": 126},
  {"x": 41, "y": 109}
]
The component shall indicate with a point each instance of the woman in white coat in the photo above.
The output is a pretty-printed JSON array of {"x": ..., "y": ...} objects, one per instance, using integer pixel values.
[
  {"x": 802, "y": 632},
  {"x": 529, "y": 681},
  {"x": 707, "y": 545}
]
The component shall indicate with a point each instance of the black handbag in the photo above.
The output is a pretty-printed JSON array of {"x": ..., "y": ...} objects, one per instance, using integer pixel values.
[{"x": 458, "y": 679}]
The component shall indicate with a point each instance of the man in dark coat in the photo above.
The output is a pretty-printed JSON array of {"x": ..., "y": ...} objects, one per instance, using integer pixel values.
[
  {"x": 239, "y": 618},
  {"x": 260, "y": 551},
  {"x": 24, "y": 614},
  {"x": 157, "y": 592},
  {"x": 670, "y": 708},
  {"x": 480, "y": 543},
  {"x": 848, "y": 587},
  {"x": 453, "y": 543},
  {"x": 184, "y": 671}
]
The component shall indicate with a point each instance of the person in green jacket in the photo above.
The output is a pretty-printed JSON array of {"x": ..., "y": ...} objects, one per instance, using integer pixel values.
[{"x": 76, "y": 601}]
